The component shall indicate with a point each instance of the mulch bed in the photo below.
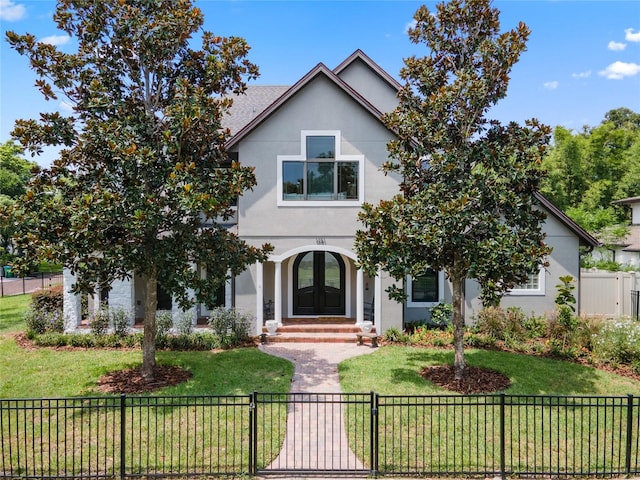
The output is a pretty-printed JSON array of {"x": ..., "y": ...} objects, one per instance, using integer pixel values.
[
  {"x": 475, "y": 380},
  {"x": 132, "y": 381}
]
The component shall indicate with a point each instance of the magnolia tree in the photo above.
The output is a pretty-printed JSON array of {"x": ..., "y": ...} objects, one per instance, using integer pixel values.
[
  {"x": 143, "y": 177},
  {"x": 466, "y": 203}
]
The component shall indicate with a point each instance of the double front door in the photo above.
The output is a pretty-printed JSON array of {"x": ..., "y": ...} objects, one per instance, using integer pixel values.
[{"x": 318, "y": 284}]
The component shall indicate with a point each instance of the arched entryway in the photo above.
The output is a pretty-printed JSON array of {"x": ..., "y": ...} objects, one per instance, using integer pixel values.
[{"x": 318, "y": 284}]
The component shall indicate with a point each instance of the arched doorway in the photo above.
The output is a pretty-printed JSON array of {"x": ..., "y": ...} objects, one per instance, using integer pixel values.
[{"x": 318, "y": 284}]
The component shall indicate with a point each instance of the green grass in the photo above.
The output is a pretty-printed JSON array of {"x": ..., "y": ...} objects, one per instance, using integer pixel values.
[
  {"x": 451, "y": 433},
  {"x": 11, "y": 311},
  {"x": 395, "y": 370},
  {"x": 157, "y": 425}
]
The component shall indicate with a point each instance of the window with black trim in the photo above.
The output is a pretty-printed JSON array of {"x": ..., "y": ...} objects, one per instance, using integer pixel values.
[{"x": 319, "y": 173}]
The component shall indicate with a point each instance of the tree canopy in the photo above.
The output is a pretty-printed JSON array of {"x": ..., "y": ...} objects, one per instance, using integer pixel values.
[
  {"x": 588, "y": 170},
  {"x": 143, "y": 184},
  {"x": 15, "y": 172},
  {"x": 467, "y": 199}
]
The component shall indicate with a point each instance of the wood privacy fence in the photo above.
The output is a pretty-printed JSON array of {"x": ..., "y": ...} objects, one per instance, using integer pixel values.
[{"x": 608, "y": 294}]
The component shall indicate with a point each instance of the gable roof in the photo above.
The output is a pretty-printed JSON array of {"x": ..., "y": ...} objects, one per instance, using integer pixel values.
[
  {"x": 319, "y": 70},
  {"x": 586, "y": 239},
  {"x": 364, "y": 58},
  {"x": 627, "y": 201}
]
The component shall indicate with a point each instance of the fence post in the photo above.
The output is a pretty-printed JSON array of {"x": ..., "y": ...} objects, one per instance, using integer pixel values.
[
  {"x": 123, "y": 434},
  {"x": 374, "y": 434},
  {"x": 629, "y": 434},
  {"x": 253, "y": 437},
  {"x": 503, "y": 474}
]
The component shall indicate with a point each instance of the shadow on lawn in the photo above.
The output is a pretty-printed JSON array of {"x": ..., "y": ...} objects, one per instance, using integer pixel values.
[{"x": 529, "y": 375}]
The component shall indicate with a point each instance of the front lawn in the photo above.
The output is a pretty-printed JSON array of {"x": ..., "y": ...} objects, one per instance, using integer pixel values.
[
  {"x": 11, "y": 310},
  {"x": 395, "y": 370}
]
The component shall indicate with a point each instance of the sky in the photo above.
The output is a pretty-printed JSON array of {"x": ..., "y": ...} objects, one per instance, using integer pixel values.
[{"x": 582, "y": 58}]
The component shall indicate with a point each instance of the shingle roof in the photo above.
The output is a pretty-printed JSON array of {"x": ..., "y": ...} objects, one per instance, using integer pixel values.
[
  {"x": 250, "y": 104},
  {"x": 632, "y": 241}
]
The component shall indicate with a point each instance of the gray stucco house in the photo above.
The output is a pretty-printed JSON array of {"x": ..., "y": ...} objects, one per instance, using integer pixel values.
[{"x": 317, "y": 148}]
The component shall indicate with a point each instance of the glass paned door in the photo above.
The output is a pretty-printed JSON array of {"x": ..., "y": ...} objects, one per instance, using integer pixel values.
[{"x": 319, "y": 288}]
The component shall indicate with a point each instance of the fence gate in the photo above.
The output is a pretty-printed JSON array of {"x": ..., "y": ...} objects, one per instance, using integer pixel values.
[{"x": 306, "y": 432}]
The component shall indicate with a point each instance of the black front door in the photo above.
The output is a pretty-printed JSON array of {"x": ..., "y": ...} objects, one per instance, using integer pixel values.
[{"x": 318, "y": 284}]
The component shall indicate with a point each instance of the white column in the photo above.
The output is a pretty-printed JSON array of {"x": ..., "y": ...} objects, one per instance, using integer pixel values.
[
  {"x": 71, "y": 303},
  {"x": 277, "y": 301},
  {"x": 122, "y": 295},
  {"x": 259, "y": 298},
  {"x": 377, "y": 302},
  {"x": 228, "y": 291},
  {"x": 359, "y": 297}
]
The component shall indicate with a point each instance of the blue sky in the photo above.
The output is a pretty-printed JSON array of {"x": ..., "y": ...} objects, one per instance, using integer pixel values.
[{"x": 582, "y": 59}]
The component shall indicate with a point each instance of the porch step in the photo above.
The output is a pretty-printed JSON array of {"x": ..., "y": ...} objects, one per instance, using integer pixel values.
[{"x": 306, "y": 331}]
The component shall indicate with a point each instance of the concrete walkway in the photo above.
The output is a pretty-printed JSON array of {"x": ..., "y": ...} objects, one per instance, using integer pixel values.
[{"x": 315, "y": 437}]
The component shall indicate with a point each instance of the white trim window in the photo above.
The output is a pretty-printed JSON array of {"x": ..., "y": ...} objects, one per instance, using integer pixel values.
[
  {"x": 535, "y": 285},
  {"x": 425, "y": 290},
  {"x": 321, "y": 174}
]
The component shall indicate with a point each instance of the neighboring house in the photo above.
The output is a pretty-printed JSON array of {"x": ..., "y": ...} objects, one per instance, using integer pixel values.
[
  {"x": 317, "y": 148},
  {"x": 626, "y": 251}
]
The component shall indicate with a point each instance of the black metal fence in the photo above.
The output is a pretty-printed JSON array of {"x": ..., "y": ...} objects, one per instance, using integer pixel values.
[
  {"x": 488, "y": 435},
  {"x": 635, "y": 304},
  {"x": 11, "y": 285}
]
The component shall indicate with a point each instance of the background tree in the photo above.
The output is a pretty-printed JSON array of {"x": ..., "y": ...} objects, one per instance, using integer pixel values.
[
  {"x": 143, "y": 168},
  {"x": 588, "y": 170},
  {"x": 15, "y": 172},
  {"x": 466, "y": 202}
]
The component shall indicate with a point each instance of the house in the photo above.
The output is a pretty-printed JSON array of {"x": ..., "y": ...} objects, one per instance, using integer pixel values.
[
  {"x": 626, "y": 251},
  {"x": 317, "y": 148}
]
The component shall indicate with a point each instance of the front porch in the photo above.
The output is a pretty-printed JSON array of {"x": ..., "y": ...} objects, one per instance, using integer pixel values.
[{"x": 315, "y": 285}]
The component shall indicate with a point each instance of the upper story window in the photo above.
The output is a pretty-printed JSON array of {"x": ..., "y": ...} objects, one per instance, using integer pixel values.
[{"x": 320, "y": 174}]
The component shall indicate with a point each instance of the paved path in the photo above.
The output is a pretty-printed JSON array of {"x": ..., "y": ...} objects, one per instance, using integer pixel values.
[{"x": 315, "y": 438}]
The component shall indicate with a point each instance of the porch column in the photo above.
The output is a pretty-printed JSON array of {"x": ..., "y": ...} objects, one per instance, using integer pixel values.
[
  {"x": 277, "y": 301},
  {"x": 71, "y": 306},
  {"x": 377, "y": 303},
  {"x": 359, "y": 297},
  {"x": 259, "y": 299}
]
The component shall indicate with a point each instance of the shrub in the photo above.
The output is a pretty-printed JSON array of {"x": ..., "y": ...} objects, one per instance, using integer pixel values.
[
  {"x": 45, "y": 312},
  {"x": 490, "y": 322},
  {"x": 99, "y": 324},
  {"x": 394, "y": 335},
  {"x": 50, "y": 300},
  {"x": 231, "y": 326},
  {"x": 164, "y": 323},
  {"x": 184, "y": 322},
  {"x": 120, "y": 321},
  {"x": 535, "y": 326},
  {"x": 42, "y": 321},
  {"x": 618, "y": 342}
]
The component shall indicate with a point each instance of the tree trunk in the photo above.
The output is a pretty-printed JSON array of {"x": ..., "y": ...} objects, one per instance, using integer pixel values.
[
  {"x": 457, "y": 285},
  {"x": 149, "y": 339}
]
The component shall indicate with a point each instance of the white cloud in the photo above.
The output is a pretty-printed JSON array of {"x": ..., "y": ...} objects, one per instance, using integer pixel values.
[
  {"x": 411, "y": 24},
  {"x": 12, "y": 12},
  {"x": 619, "y": 70},
  {"x": 629, "y": 36},
  {"x": 66, "y": 106},
  {"x": 616, "y": 46},
  {"x": 551, "y": 85},
  {"x": 582, "y": 74},
  {"x": 56, "y": 39}
]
